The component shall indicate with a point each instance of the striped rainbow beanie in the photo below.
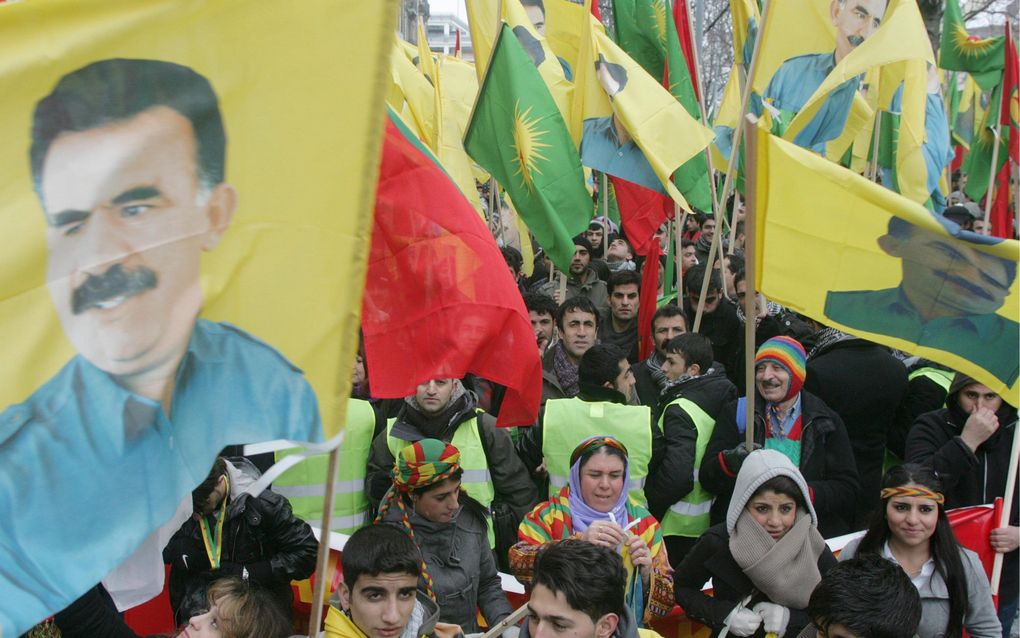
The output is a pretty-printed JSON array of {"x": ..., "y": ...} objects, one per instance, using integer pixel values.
[{"x": 788, "y": 353}]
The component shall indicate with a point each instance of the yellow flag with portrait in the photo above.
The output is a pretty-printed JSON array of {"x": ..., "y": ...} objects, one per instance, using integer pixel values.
[{"x": 186, "y": 191}]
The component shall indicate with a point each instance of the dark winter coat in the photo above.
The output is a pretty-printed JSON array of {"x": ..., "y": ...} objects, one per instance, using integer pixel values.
[{"x": 826, "y": 461}]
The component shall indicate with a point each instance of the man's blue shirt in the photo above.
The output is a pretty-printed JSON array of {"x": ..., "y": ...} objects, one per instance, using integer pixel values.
[
  {"x": 90, "y": 469},
  {"x": 601, "y": 150}
]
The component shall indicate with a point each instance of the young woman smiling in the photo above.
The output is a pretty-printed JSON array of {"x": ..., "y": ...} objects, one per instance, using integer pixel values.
[{"x": 911, "y": 530}]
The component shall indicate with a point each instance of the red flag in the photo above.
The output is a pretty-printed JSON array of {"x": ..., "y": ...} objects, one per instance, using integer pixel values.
[
  {"x": 1000, "y": 217},
  {"x": 642, "y": 211},
  {"x": 456, "y": 47},
  {"x": 647, "y": 303},
  {"x": 683, "y": 29},
  {"x": 439, "y": 300},
  {"x": 595, "y": 11},
  {"x": 1010, "y": 108},
  {"x": 972, "y": 527}
]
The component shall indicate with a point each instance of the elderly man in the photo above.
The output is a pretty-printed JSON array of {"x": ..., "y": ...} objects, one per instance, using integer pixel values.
[
  {"x": 968, "y": 444},
  {"x": 795, "y": 422},
  {"x": 128, "y": 159},
  {"x": 442, "y": 409}
]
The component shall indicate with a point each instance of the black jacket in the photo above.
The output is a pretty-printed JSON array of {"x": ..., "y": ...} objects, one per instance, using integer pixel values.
[
  {"x": 826, "y": 461},
  {"x": 923, "y": 395},
  {"x": 711, "y": 558},
  {"x": 645, "y": 386},
  {"x": 864, "y": 384},
  {"x": 723, "y": 328},
  {"x": 261, "y": 536},
  {"x": 969, "y": 478},
  {"x": 673, "y": 478}
]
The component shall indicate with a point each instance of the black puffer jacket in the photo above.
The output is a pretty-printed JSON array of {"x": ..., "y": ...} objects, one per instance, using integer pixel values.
[
  {"x": 673, "y": 478},
  {"x": 826, "y": 461},
  {"x": 969, "y": 478},
  {"x": 261, "y": 537}
]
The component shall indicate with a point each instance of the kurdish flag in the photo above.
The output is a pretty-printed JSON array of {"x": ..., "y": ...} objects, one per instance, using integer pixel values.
[
  {"x": 883, "y": 267},
  {"x": 518, "y": 135},
  {"x": 960, "y": 51}
]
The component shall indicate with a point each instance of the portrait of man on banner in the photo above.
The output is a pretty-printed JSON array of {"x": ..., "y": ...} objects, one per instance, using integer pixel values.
[
  {"x": 948, "y": 298},
  {"x": 606, "y": 145},
  {"x": 128, "y": 162}
]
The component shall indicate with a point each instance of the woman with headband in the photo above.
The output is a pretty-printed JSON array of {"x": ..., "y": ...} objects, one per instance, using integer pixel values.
[
  {"x": 450, "y": 527},
  {"x": 594, "y": 507},
  {"x": 911, "y": 530}
]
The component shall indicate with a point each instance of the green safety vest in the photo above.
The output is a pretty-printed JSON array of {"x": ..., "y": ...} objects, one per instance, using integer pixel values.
[
  {"x": 476, "y": 479},
  {"x": 943, "y": 378},
  {"x": 567, "y": 422},
  {"x": 690, "y": 515},
  {"x": 304, "y": 485}
]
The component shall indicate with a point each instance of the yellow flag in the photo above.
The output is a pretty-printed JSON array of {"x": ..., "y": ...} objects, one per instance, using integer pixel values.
[
  {"x": 456, "y": 89},
  {"x": 419, "y": 96},
  {"x": 882, "y": 267},
  {"x": 186, "y": 199},
  {"x": 565, "y": 22},
  {"x": 426, "y": 63},
  {"x": 746, "y": 18},
  {"x": 665, "y": 133},
  {"x": 726, "y": 120},
  {"x": 482, "y": 17},
  {"x": 860, "y": 121}
]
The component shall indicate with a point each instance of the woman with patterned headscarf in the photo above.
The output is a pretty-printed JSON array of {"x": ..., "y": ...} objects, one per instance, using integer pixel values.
[
  {"x": 594, "y": 506},
  {"x": 458, "y": 568}
]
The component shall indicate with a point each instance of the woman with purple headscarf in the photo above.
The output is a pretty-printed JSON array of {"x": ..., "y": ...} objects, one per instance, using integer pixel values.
[{"x": 594, "y": 507}]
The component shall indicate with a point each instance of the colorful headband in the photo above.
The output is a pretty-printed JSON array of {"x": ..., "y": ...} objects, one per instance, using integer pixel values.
[
  {"x": 424, "y": 463},
  {"x": 593, "y": 443},
  {"x": 919, "y": 492}
]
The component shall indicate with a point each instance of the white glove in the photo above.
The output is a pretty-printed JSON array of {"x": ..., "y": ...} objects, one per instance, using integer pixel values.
[
  {"x": 742, "y": 621},
  {"x": 774, "y": 617}
]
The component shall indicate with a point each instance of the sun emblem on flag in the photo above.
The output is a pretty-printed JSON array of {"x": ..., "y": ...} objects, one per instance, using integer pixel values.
[
  {"x": 659, "y": 14},
  {"x": 528, "y": 145},
  {"x": 968, "y": 45}
]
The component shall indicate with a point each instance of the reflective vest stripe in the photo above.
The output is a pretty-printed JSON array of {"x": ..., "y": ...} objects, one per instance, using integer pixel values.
[
  {"x": 304, "y": 485},
  {"x": 567, "y": 422},
  {"x": 476, "y": 479},
  {"x": 690, "y": 515},
  {"x": 943, "y": 378}
]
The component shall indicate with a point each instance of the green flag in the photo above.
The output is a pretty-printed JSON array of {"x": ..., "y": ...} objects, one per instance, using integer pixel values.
[
  {"x": 978, "y": 165},
  {"x": 646, "y": 31},
  {"x": 959, "y": 51},
  {"x": 517, "y": 134}
]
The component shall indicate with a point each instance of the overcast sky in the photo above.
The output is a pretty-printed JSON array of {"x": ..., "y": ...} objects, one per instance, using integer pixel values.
[{"x": 448, "y": 6}]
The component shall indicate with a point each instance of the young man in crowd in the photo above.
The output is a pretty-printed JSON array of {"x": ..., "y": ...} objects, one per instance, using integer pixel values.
[
  {"x": 620, "y": 325},
  {"x": 649, "y": 379}
]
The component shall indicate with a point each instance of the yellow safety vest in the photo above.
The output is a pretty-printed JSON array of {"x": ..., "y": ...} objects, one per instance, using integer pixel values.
[
  {"x": 476, "y": 480},
  {"x": 567, "y": 422},
  {"x": 690, "y": 515},
  {"x": 304, "y": 485},
  {"x": 943, "y": 378}
]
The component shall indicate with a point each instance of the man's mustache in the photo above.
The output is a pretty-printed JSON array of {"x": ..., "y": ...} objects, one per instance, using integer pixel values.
[
  {"x": 117, "y": 281},
  {"x": 771, "y": 383},
  {"x": 855, "y": 40}
]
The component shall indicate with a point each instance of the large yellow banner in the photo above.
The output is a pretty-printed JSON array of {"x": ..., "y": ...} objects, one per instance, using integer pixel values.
[
  {"x": 186, "y": 191},
  {"x": 868, "y": 261}
]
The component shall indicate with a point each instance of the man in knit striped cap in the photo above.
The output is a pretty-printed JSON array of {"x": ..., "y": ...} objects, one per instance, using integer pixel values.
[{"x": 794, "y": 422}]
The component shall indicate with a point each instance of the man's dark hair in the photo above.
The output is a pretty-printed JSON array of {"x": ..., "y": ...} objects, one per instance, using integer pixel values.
[
  {"x": 578, "y": 303},
  {"x": 622, "y": 278},
  {"x": 705, "y": 220},
  {"x": 870, "y": 596},
  {"x": 379, "y": 549},
  {"x": 542, "y": 304},
  {"x": 534, "y": 3},
  {"x": 117, "y": 89},
  {"x": 739, "y": 276},
  {"x": 200, "y": 494},
  {"x": 600, "y": 364},
  {"x": 583, "y": 242},
  {"x": 617, "y": 72},
  {"x": 902, "y": 229},
  {"x": 513, "y": 258},
  {"x": 736, "y": 263},
  {"x": 668, "y": 310},
  {"x": 694, "y": 277},
  {"x": 694, "y": 348},
  {"x": 591, "y": 578},
  {"x": 688, "y": 243}
]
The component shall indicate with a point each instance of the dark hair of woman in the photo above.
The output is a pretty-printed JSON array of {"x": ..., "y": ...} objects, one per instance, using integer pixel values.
[
  {"x": 944, "y": 548},
  {"x": 605, "y": 449},
  {"x": 464, "y": 499},
  {"x": 787, "y": 487}
]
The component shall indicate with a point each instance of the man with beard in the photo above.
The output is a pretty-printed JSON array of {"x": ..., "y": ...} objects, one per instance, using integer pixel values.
[
  {"x": 719, "y": 321},
  {"x": 793, "y": 421},
  {"x": 649, "y": 379},
  {"x": 620, "y": 325},
  {"x": 582, "y": 280}
]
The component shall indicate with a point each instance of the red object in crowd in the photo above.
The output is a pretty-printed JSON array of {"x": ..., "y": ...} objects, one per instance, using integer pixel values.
[
  {"x": 439, "y": 299},
  {"x": 959, "y": 153},
  {"x": 1010, "y": 105},
  {"x": 595, "y": 11},
  {"x": 642, "y": 212},
  {"x": 1000, "y": 217}
]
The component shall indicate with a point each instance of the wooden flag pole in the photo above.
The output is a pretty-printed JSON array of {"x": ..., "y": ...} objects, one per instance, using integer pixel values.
[
  {"x": 993, "y": 173},
  {"x": 713, "y": 249},
  {"x": 1007, "y": 507},
  {"x": 604, "y": 187},
  {"x": 322, "y": 561},
  {"x": 750, "y": 270},
  {"x": 678, "y": 249},
  {"x": 733, "y": 227},
  {"x": 563, "y": 288},
  {"x": 492, "y": 207},
  {"x": 728, "y": 183}
]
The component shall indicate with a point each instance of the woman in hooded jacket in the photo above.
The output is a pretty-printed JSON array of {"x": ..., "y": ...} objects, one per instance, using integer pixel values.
[{"x": 764, "y": 561}]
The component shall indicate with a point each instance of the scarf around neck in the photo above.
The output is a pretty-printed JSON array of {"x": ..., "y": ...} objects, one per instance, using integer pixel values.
[
  {"x": 581, "y": 515},
  {"x": 654, "y": 363},
  {"x": 785, "y": 570},
  {"x": 566, "y": 371}
]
